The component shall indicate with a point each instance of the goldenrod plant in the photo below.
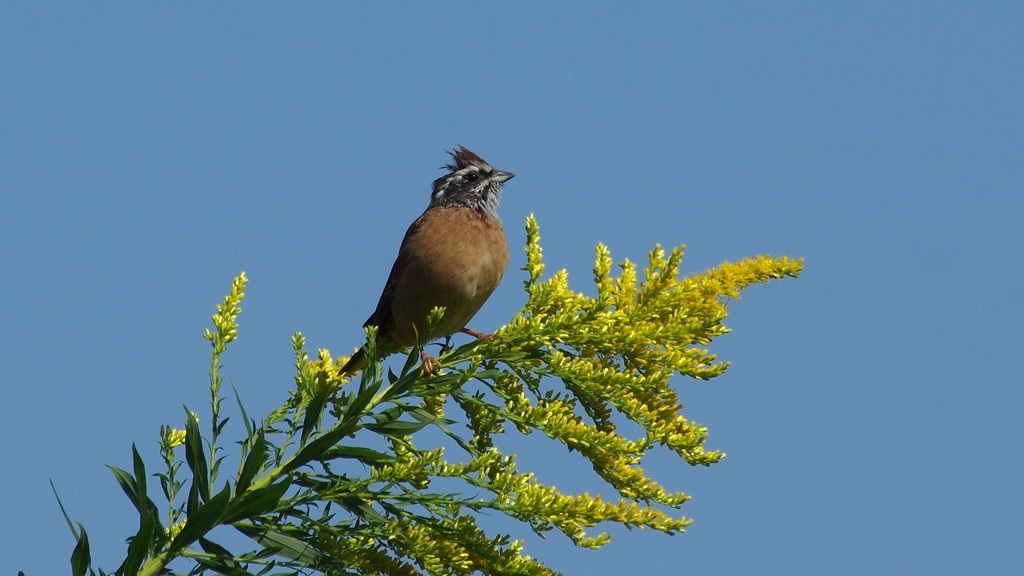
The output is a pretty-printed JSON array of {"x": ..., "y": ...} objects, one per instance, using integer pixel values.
[{"x": 388, "y": 473}]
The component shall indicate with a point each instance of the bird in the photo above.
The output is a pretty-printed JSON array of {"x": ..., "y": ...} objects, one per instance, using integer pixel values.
[{"x": 453, "y": 255}]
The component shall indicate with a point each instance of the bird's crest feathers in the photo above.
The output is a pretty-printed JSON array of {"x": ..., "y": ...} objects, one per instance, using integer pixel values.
[{"x": 463, "y": 157}]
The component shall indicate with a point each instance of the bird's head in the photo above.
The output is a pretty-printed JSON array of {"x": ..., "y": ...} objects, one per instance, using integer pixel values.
[{"x": 470, "y": 182}]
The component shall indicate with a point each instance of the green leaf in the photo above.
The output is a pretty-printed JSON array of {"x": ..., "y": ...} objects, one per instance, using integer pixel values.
[
  {"x": 139, "y": 468},
  {"x": 67, "y": 518},
  {"x": 389, "y": 415},
  {"x": 492, "y": 374},
  {"x": 422, "y": 415},
  {"x": 241, "y": 408},
  {"x": 223, "y": 561},
  {"x": 228, "y": 567},
  {"x": 361, "y": 400},
  {"x": 211, "y": 547},
  {"x": 254, "y": 462},
  {"x": 141, "y": 545},
  {"x": 196, "y": 460},
  {"x": 398, "y": 428},
  {"x": 412, "y": 358},
  {"x": 388, "y": 422},
  {"x": 81, "y": 559},
  {"x": 257, "y": 502},
  {"x": 202, "y": 519},
  {"x": 319, "y": 446},
  {"x": 364, "y": 455},
  {"x": 127, "y": 483},
  {"x": 361, "y": 508},
  {"x": 401, "y": 386},
  {"x": 282, "y": 545},
  {"x": 315, "y": 407}
]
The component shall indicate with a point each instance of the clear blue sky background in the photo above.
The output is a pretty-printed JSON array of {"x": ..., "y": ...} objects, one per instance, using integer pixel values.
[{"x": 873, "y": 413}]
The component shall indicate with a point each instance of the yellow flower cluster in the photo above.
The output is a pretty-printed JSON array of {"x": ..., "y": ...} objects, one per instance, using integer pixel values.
[
  {"x": 453, "y": 546},
  {"x": 173, "y": 530},
  {"x": 577, "y": 368},
  {"x": 171, "y": 438},
  {"x": 227, "y": 313},
  {"x": 544, "y": 507}
]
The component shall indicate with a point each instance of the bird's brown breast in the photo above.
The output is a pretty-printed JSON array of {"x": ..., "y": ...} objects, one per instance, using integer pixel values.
[{"x": 456, "y": 258}]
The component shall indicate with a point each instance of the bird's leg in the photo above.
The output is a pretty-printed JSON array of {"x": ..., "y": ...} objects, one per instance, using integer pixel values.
[
  {"x": 478, "y": 335},
  {"x": 430, "y": 364}
]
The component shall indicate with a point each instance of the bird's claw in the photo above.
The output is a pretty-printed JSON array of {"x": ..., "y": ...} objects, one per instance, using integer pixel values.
[
  {"x": 431, "y": 365},
  {"x": 480, "y": 335}
]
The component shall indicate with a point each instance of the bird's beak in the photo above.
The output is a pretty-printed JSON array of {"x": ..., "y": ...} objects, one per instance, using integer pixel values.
[{"x": 502, "y": 176}]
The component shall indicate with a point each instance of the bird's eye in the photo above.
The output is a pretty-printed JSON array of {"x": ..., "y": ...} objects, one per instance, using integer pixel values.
[{"x": 472, "y": 177}]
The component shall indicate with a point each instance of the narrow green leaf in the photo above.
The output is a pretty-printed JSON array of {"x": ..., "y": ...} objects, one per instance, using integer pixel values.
[
  {"x": 127, "y": 483},
  {"x": 509, "y": 356},
  {"x": 67, "y": 517},
  {"x": 140, "y": 547},
  {"x": 223, "y": 561},
  {"x": 81, "y": 558},
  {"x": 211, "y": 547},
  {"x": 241, "y": 408},
  {"x": 364, "y": 455},
  {"x": 361, "y": 508},
  {"x": 193, "y": 502},
  {"x": 401, "y": 386},
  {"x": 492, "y": 374},
  {"x": 319, "y": 446},
  {"x": 282, "y": 545},
  {"x": 131, "y": 489},
  {"x": 195, "y": 457},
  {"x": 422, "y": 415},
  {"x": 397, "y": 428},
  {"x": 361, "y": 400},
  {"x": 139, "y": 468},
  {"x": 224, "y": 567},
  {"x": 315, "y": 407},
  {"x": 254, "y": 462},
  {"x": 389, "y": 415},
  {"x": 257, "y": 502},
  {"x": 411, "y": 360},
  {"x": 202, "y": 519}
]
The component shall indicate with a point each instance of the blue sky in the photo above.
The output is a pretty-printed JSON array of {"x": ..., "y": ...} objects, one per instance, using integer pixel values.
[{"x": 872, "y": 416}]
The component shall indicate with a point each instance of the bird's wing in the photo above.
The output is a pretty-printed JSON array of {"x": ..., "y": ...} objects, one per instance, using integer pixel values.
[{"x": 382, "y": 314}]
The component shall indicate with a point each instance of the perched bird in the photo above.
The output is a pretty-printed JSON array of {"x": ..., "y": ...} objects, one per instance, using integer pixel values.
[{"x": 453, "y": 255}]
